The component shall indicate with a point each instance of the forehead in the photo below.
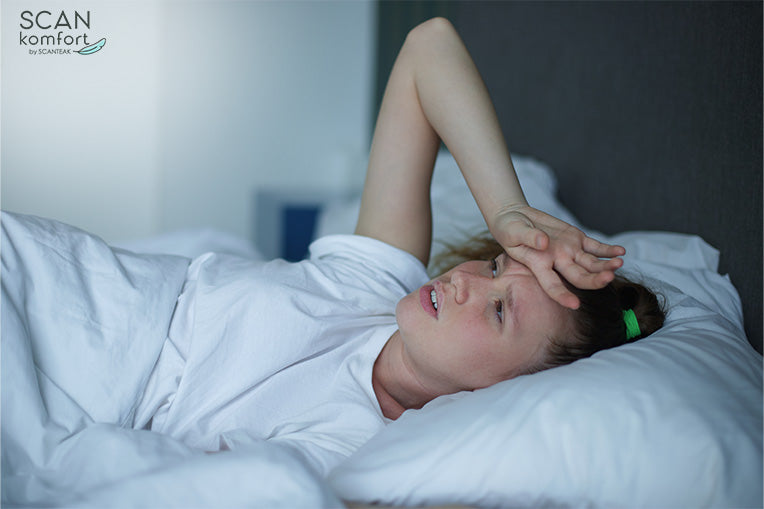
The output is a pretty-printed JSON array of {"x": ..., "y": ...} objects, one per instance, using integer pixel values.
[{"x": 537, "y": 314}]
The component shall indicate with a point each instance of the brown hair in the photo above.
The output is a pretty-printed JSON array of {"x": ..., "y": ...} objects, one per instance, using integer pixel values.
[{"x": 598, "y": 323}]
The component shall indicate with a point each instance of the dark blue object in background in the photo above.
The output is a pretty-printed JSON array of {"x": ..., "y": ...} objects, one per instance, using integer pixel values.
[{"x": 298, "y": 223}]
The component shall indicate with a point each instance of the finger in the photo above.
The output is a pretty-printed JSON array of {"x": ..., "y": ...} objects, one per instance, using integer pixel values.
[
  {"x": 551, "y": 283},
  {"x": 541, "y": 265},
  {"x": 601, "y": 249},
  {"x": 593, "y": 264},
  {"x": 529, "y": 257},
  {"x": 582, "y": 278},
  {"x": 519, "y": 233},
  {"x": 575, "y": 274},
  {"x": 541, "y": 242},
  {"x": 595, "y": 281}
]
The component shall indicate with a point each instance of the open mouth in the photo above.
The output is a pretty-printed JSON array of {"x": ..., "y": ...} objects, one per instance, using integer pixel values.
[{"x": 428, "y": 298}]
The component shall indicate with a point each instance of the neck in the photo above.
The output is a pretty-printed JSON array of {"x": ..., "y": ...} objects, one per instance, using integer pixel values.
[{"x": 395, "y": 383}]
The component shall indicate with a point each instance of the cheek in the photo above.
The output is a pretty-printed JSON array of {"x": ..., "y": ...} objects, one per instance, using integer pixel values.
[
  {"x": 472, "y": 332},
  {"x": 474, "y": 340},
  {"x": 480, "y": 363},
  {"x": 478, "y": 342}
]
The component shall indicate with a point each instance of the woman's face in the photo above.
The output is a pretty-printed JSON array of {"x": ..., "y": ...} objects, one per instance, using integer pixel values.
[{"x": 490, "y": 321}]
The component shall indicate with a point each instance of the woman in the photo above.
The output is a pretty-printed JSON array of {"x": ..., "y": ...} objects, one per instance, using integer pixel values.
[
  {"x": 317, "y": 355},
  {"x": 504, "y": 317}
]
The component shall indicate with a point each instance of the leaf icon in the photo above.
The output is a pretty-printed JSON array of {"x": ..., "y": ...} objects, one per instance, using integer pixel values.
[{"x": 89, "y": 50}]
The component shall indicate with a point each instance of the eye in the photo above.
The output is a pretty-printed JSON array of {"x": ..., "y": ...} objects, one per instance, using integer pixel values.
[
  {"x": 500, "y": 311},
  {"x": 494, "y": 267}
]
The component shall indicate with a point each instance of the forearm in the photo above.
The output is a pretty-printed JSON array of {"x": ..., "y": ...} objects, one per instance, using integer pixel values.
[
  {"x": 457, "y": 105},
  {"x": 434, "y": 93},
  {"x": 395, "y": 206}
]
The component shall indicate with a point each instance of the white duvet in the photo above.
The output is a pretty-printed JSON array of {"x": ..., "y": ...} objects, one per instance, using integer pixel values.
[
  {"x": 673, "y": 420},
  {"x": 68, "y": 302}
]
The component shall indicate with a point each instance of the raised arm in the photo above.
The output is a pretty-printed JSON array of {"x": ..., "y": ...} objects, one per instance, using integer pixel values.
[{"x": 435, "y": 92}]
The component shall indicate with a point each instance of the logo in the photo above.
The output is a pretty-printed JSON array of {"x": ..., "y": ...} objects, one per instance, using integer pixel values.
[{"x": 58, "y": 33}]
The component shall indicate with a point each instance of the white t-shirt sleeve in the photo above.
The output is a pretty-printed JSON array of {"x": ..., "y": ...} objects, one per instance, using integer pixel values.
[{"x": 397, "y": 270}]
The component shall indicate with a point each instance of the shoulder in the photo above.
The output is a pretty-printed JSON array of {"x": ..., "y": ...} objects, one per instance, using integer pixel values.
[{"x": 369, "y": 257}]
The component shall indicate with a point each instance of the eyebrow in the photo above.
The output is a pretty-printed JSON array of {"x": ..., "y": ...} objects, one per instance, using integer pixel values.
[
  {"x": 511, "y": 305},
  {"x": 509, "y": 297}
]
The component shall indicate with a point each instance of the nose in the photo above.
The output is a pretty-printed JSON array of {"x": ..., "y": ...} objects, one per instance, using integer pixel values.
[{"x": 465, "y": 282}]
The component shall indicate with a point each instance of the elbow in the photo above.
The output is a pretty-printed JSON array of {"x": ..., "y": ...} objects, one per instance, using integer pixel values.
[
  {"x": 432, "y": 30},
  {"x": 437, "y": 24}
]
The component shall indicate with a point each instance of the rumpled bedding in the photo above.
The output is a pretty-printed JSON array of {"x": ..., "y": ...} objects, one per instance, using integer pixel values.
[{"x": 71, "y": 383}]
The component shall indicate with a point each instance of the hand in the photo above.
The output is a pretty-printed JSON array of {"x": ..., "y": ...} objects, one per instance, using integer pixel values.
[{"x": 546, "y": 244}]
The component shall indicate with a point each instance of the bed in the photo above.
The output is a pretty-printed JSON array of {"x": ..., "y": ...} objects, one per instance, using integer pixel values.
[
  {"x": 673, "y": 420},
  {"x": 650, "y": 116},
  {"x": 651, "y": 424}
]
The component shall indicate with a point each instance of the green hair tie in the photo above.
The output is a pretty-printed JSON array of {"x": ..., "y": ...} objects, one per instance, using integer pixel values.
[{"x": 632, "y": 326}]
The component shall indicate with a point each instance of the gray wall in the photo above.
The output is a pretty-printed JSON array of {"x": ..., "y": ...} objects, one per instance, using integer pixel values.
[{"x": 650, "y": 113}]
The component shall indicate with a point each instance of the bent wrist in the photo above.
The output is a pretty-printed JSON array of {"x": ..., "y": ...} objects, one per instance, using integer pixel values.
[{"x": 501, "y": 213}]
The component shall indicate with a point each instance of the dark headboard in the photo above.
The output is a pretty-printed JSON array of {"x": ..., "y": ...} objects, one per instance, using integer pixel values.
[{"x": 650, "y": 113}]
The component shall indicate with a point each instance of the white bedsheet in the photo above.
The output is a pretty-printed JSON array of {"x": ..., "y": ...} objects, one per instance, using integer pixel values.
[{"x": 70, "y": 384}]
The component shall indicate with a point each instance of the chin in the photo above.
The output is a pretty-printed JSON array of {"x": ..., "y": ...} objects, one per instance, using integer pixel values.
[{"x": 406, "y": 311}]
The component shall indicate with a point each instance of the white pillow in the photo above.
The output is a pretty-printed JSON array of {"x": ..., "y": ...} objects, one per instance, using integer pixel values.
[
  {"x": 456, "y": 217},
  {"x": 672, "y": 420}
]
